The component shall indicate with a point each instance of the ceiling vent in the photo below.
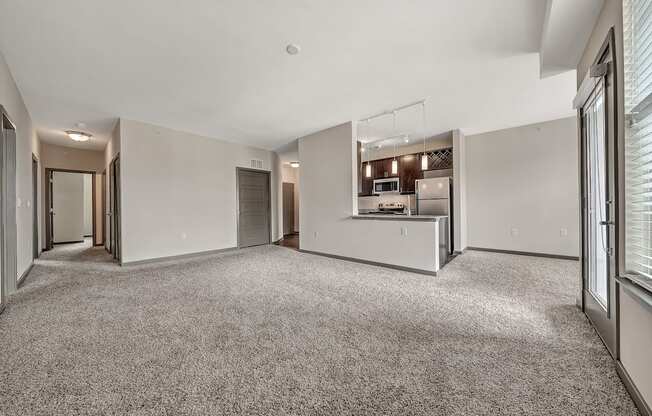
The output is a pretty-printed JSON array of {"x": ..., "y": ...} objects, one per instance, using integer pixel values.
[{"x": 256, "y": 163}]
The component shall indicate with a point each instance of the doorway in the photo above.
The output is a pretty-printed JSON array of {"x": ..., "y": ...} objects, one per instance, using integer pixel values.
[
  {"x": 8, "y": 251},
  {"x": 254, "y": 207},
  {"x": 114, "y": 241},
  {"x": 598, "y": 135},
  {"x": 288, "y": 208},
  {"x": 71, "y": 211},
  {"x": 35, "y": 241}
]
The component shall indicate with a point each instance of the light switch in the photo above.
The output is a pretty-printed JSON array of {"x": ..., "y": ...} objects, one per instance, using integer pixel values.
[{"x": 563, "y": 232}]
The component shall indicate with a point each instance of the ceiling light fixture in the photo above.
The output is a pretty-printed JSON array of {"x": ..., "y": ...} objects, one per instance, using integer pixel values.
[
  {"x": 367, "y": 171},
  {"x": 424, "y": 156},
  {"x": 293, "y": 49},
  {"x": 79, "y": 136},
  {"x": 294, "y": 164},
  {"x": 394, "y": 162}
]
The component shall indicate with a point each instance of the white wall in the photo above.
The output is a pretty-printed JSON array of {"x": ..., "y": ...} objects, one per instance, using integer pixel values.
[
  {"x": 328, "y": 198},
  {"x": 523, "y": 181},
  {"x": 179, "y": 191},
  {"x": 68, "y": 204},
  {"x": 26, "y": 144},
  {"x": 88, "y": 204}
]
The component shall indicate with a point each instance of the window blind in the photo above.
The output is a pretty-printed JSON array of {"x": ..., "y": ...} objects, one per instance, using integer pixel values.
[{"x": 637, "y": 21}]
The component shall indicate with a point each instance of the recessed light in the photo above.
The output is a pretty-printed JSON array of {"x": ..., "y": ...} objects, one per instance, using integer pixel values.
[
  {"x": 78, "y": 136},
  {"x": 293, "y": 49}
]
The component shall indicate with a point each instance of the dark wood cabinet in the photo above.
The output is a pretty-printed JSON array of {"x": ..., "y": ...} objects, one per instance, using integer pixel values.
[
  {"x": 367, "y": 184},
  {"x": 409, "y": 170},
  {"x": 382, "y": 168}
]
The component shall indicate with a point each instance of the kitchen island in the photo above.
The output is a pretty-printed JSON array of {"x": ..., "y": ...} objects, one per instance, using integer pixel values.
[{"x": 442, "y": 244}]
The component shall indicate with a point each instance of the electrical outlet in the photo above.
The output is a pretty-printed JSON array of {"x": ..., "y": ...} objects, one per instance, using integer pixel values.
[
  {"x": 315, "y": 234},
  {"x": 514, "y": 232},
  {"x": 404, "y": 231},
  {"x": 563, "y": 232}
]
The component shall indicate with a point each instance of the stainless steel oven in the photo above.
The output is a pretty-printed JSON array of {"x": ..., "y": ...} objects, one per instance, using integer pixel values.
[{"x": 385, "y": 186}]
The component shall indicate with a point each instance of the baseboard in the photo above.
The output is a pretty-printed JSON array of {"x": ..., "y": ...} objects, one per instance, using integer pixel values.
[
  {"x": 643, "y": 408},
  {"x": 67, "y": 242},
  {"x": 23, "y": 277},
  {"x": 98, "y": 244},
  {"x": 524, "y": 253},
  {"x": 371, "y": 263},
  {"x": 179, "y": 257}
]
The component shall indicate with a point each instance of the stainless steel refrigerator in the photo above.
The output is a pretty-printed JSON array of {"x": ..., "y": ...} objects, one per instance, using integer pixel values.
[{"x": 435, "y": 197}]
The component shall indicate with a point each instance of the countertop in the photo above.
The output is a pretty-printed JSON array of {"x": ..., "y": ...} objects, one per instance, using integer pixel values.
[{"x": 386, "y": 217}]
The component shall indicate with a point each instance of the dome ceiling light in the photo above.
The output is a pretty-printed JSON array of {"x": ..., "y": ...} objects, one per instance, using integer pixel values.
[{"x": 79, "y": 136}]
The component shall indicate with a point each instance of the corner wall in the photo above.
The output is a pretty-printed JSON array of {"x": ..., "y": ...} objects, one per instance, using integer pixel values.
[
  {"x": 179, "y": 191},
  {"x": 328, "y": 198},
  {"x": 26, "y": 145},
  {"x": 522, "y": 189},
  {"x": 460, "y": 222}
]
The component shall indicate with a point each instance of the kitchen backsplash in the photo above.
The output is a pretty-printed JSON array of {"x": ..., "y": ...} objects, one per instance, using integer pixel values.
[{"x": 370, "y": 203}]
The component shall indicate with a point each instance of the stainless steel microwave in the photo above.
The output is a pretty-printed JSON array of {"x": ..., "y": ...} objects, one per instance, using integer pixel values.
[{"x": 385, "y": 186}]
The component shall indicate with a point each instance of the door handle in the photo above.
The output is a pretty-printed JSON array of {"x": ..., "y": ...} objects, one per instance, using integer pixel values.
[{"x": 607, "y": 223}]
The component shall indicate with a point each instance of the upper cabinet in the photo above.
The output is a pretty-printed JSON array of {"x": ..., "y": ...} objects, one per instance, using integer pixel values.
[{"x": 409, "y": 170}]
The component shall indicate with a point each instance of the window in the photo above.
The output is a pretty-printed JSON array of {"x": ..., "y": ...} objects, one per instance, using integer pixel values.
[{"x": 637, "y": 19}]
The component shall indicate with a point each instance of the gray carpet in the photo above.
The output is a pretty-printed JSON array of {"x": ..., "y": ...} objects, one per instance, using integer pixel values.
[{"x": 271, "y": 331}]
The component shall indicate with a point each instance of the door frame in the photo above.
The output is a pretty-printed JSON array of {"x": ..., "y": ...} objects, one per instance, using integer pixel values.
[
  {"x": 5, "y": 283},
  {"x": 115, "y": 201},
  {"x": 103, "y": 192},
  {"x": 49, "y": 221},
  {"x": 604, "y": 68},
  {"x": 237, "y": 200},
  {"x": 36, "y": 250},
  {"x": 292, "y": 230}
]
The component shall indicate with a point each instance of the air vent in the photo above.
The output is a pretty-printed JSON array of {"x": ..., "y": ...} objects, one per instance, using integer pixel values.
[{"x": 256, "y": 163}]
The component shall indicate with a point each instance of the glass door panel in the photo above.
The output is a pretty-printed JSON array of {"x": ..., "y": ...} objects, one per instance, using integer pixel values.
[{"x": 597, "y": 204}]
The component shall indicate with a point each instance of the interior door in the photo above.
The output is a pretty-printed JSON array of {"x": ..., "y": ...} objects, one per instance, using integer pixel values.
[
  {"x": 254, "y": 211},
  {"x": 9, "y": 226},
  {"x": 288, "y": 208},
  {"x": 115, "y": 209},
  {"x": 67, "y": 207},
  {"x": 600, "y": 200}
]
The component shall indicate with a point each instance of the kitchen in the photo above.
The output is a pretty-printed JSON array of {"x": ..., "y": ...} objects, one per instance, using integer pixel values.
[{"x": 402, "y": 176}]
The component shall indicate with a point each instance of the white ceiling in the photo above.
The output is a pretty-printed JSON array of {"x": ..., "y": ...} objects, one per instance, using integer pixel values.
[{"x": 219, "y": 68}]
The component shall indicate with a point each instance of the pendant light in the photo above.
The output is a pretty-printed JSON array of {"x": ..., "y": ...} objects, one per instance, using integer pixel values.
[
  {"x": 394, "y": 162},
  {"x": 424, "y": 156},
  {"x": 367, "y": 171}
]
